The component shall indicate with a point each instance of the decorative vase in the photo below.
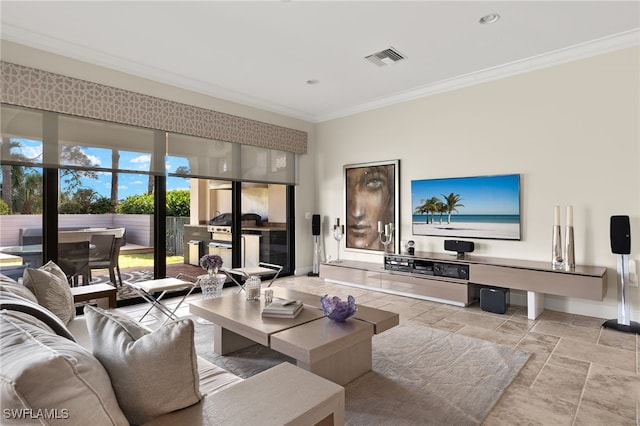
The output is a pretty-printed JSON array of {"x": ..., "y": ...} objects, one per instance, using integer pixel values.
[
  {"x": 569, "y": 250},
  {"x": 212, "y": 285},
  {"x": 252, "y": 287},
  {"x": 556, "y": 254},
  {"x": 336, "y": 309},
  {"x": 556, "y": 244}
]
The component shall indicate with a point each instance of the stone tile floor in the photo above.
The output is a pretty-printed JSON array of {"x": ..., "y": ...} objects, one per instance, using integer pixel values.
[{"x": 579, "y": 373}]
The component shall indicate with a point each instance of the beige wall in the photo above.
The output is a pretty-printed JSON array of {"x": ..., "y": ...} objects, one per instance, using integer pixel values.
[{"x": 572, "y": 131}]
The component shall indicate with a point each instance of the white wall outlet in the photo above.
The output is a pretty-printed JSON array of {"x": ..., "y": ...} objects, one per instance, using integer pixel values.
[
  {"x": 307, "y": 215},
  {"x": 633, "y": 273}
]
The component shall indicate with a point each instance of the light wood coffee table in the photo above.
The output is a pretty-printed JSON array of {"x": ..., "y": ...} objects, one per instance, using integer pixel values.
[{"x": 339, "y": 352}]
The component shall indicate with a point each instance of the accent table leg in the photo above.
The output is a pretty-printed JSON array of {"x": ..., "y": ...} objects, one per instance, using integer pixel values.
[
  {"x": 535, "y": 304},
  {"x": 226, "y": 341}
]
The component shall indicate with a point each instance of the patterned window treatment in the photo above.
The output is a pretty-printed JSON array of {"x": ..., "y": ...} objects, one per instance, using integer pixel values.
[
  {"x": 42, "y": 90},
  {"x": 64, "y": 113}
]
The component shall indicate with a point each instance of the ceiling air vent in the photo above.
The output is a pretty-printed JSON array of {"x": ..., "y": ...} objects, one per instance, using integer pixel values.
[{"x": 385, "y": 57}]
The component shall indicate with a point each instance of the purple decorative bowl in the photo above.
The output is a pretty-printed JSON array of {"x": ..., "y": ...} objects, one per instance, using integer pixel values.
[{"x": 336, "y": 309}]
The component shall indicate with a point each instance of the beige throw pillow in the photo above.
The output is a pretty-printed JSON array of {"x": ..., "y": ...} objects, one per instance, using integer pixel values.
[
  {"x": 51, "y": 288},
  {"x": 152, "y": 373},
  {"x": 41, "y": 371}
]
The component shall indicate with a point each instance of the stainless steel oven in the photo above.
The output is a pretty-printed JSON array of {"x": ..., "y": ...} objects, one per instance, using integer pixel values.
[{"x": 221, "y": 243}]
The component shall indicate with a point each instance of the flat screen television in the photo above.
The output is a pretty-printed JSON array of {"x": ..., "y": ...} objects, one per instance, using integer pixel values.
[{"x": 467, "y": 207}]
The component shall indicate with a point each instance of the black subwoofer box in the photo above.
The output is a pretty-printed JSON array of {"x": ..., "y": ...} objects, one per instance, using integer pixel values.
[{"x": 494, "y": 299}]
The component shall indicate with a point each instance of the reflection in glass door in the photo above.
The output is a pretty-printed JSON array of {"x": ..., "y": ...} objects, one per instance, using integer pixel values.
[{"x": 264, "y": 224}]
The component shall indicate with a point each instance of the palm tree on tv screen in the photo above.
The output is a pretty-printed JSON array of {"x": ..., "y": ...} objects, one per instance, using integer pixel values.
[
  {"x": 422, "y": 209},
  {"x": 432, "y": 206},
  {"x": 452, "y": 201},
  {"x": 441, "y": 208}
]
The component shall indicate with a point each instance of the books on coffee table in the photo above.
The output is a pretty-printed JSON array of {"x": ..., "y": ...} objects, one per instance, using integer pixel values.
[{"x": 282, "y": 309}]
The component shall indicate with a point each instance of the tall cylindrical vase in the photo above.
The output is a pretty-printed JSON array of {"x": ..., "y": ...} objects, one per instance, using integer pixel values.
[
  {"x": 556, "y": 248},
  {"x": 569, "y": 250}
]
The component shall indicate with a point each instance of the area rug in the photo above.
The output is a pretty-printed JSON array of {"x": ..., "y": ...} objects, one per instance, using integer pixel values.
[
  {"x": 420, "y": 375},
  {"x": 124, "y": 292}
]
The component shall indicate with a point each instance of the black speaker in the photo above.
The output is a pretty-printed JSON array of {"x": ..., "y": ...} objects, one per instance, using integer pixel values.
[
  {"x": 315, "y": 224},
  {"x": 494, "y": 300},
  {"x": 620, "y": 232},
  {"x": 461, "y": 247}
]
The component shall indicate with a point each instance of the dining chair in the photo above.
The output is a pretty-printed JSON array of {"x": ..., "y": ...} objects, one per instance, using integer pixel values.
[
  {"x": 110, "y": 262},
  {"x": 73, "y": 259},
  {"x": 101, "y": 247},
  {"x": 101, "y": 251}
]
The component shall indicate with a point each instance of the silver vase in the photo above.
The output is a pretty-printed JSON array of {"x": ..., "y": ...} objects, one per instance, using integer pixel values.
[
  {"x": 556, "y": 248},
  {"x": 569, "y": 250}
]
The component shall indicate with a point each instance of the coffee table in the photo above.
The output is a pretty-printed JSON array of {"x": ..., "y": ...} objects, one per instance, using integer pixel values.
[
  {"x": 339, "y": 352},
  {"x": 238, "y": 322}
]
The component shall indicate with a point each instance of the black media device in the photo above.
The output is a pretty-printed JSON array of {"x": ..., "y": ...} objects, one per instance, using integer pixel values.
[
  {"x": 461, "y": 247},
  {"x": 451, "y": 270}
]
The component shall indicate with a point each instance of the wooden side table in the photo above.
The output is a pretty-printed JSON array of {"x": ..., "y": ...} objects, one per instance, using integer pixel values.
[{"x": 100, "y": 292}]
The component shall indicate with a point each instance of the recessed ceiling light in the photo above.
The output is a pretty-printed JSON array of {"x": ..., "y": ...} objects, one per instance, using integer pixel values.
[
  {"x": 489, "y": 19},
  {"x": 312, "y": 82}
]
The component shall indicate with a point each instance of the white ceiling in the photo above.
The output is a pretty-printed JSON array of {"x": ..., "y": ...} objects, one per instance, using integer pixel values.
[{"x": 262, "y": 53}]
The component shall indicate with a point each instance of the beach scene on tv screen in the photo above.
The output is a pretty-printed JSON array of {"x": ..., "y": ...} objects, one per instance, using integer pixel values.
[{"x": 467, "y": 207}]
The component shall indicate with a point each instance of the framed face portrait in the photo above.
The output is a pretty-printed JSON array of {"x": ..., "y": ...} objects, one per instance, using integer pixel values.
[{"x": 371, "y": 197}]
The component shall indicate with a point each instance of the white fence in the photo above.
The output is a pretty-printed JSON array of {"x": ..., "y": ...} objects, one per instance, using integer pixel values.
[{"x": 139, "y": 227}]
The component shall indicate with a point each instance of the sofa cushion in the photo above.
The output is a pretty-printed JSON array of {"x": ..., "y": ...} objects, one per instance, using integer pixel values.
[
  {"x": 12, "y": 286},
  {"x": 13, "y": 302},
  {"x": 43, "y": 371},
  {"x": 50, "y": 285},
  {"x": 152, "y": 373}
]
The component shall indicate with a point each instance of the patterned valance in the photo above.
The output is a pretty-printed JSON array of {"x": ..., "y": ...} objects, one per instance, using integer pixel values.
[{"x": 33, "y": 88}]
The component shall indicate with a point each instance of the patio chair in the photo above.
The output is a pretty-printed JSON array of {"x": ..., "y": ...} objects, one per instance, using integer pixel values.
[
  {"x": 109, "y": 262},
  {"x": 73, "y": 259},
  {"x": 101, "y": 248}
]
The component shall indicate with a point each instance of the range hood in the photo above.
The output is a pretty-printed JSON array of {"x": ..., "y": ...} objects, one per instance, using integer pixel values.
[{"x": 217, "y": 184}]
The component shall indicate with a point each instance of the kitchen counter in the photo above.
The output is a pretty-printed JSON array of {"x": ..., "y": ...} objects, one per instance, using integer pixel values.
[{"x": 263, "y": 228}]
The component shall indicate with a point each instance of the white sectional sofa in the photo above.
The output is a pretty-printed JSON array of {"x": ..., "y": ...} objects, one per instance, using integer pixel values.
[{"x": 103, "y": 368}]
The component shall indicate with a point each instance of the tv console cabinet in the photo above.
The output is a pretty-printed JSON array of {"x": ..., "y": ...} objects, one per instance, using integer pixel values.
[{"x": 442, "y": 277}]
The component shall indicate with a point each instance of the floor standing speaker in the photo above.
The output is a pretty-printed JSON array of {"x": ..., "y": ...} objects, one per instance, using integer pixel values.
[
  {"x": 620, "y": 234},
  {"x": 315, "y": 230},
  {"x": 315, "y": 224}
]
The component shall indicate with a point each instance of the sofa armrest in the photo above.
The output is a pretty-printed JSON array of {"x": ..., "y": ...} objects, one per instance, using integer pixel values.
[{"x": 283, "y": 395}]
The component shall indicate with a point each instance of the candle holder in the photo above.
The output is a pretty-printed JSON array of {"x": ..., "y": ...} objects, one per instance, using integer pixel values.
[
  {"x": 338, "y": 234},
  {"x": 386, "y": 235},
  {"x": 557, "y": 261},
  {"x": 569, "y": 250}
]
